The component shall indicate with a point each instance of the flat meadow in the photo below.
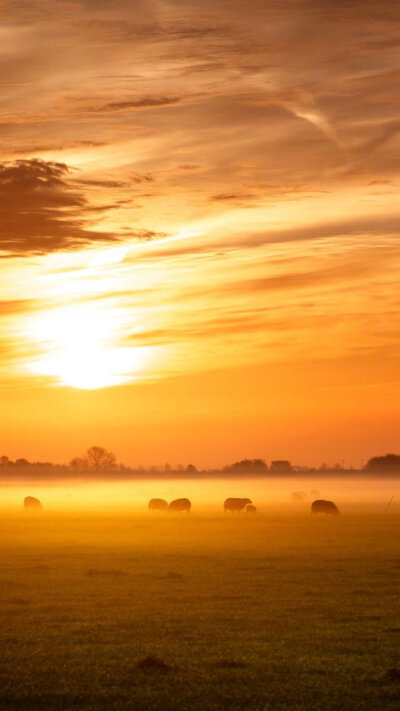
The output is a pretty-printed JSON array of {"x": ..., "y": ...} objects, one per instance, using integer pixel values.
[{"x": 199, "y": 612}]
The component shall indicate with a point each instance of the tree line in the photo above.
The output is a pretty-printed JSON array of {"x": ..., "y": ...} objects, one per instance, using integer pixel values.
[{"x": 99, "y": 459}]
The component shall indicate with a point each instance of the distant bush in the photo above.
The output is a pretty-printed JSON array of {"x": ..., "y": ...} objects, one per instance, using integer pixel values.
[
  {"x": 281, "y": 466},
  {"x": 247, "y": 466},
  {"x": 386, "y": 463}
]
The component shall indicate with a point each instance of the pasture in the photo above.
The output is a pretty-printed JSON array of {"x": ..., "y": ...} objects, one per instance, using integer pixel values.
[{"x": 273, "y": 612}]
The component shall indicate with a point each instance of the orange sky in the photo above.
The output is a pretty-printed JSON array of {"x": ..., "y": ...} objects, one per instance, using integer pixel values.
[{"x": 199, "y": 229}]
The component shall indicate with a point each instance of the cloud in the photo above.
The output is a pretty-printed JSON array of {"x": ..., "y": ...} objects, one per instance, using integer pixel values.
[
  {"x": 51, "y": 147},
  {"x": 305, "y": 280},
  {"x": 142, "y": 178},
  {"x": 17, "y": 306},
  {"x": 40, "y": 210},
  {"x": 362, "y": 228},
  {"x": 219, "y": 328},
  {"x": 232, "y": 197},
  {"x": 139, "y": 104},
  {"x": 388, "y": 132},
  {"x": 316, "y": 118}
]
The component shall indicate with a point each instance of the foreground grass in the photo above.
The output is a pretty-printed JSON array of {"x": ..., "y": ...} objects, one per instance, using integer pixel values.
[{"x": 273, "y": 613}]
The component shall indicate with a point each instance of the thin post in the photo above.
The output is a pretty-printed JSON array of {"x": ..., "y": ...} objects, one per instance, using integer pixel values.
[{"x": 389, "y": 504}]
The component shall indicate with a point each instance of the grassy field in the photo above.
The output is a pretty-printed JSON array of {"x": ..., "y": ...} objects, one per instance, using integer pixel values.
[{"x": 273, "y": 613}]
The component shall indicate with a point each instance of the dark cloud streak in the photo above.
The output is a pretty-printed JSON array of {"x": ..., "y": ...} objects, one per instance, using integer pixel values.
[
  {"x": 42, "y": 211},
  {"x": 139, "y": 104}
]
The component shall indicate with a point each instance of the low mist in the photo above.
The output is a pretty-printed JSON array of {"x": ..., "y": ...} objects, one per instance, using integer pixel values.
[{"x": 293, "y": 494}]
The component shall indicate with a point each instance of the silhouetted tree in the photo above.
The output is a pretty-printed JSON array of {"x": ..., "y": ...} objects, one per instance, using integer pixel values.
[
  {"x": 281, "y": 466},
  {"x": 383, "y": 464},
  {"x": 4, "y": 460},
  {"x": 101, "y": 460},
  {"x": 96, "y": 459},
  {"x": 191, "y": 469}
]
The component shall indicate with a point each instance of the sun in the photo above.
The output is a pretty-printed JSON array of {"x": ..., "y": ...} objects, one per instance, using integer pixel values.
[
  {"x": 86, "y": 368},
  {"x": 80, "y": 348}
]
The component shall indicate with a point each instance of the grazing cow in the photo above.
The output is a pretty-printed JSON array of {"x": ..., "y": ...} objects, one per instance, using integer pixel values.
[
  {"x": 158, "y": 505},
  {"x": 179, "y": 505},
  {"x": 250, "y": 509},
  {"x": 31, "y": 503},
  {"x": 325, "y": 507},
  {"x": 236, "y": 505}
]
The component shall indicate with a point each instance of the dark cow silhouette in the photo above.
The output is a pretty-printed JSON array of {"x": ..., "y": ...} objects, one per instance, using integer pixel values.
[
  {"x": 31, "y": 503},
  {"x": 236, "y": 505},
  {"x": 158, "y": 505},
  {"x": 179, "y": 505},
  {"x": 325, "y": 507},
  {"x": 250, "y": 509}
]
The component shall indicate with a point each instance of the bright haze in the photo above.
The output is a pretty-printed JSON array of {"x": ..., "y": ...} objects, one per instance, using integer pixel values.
[{"x": 199, "y": 229}]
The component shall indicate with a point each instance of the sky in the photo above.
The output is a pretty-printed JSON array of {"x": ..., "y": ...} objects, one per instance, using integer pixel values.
[{"x": 199, "y": 229}]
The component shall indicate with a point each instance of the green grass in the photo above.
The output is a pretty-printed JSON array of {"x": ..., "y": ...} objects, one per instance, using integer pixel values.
[{"x": 273, "y": 613}]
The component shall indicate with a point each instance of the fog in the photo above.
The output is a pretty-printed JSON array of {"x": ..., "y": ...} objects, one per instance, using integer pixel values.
[{"x": 206, "y": 494}]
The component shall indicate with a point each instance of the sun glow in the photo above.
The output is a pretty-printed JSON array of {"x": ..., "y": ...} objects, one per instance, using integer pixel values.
[{"x": 80, "y": 351}]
